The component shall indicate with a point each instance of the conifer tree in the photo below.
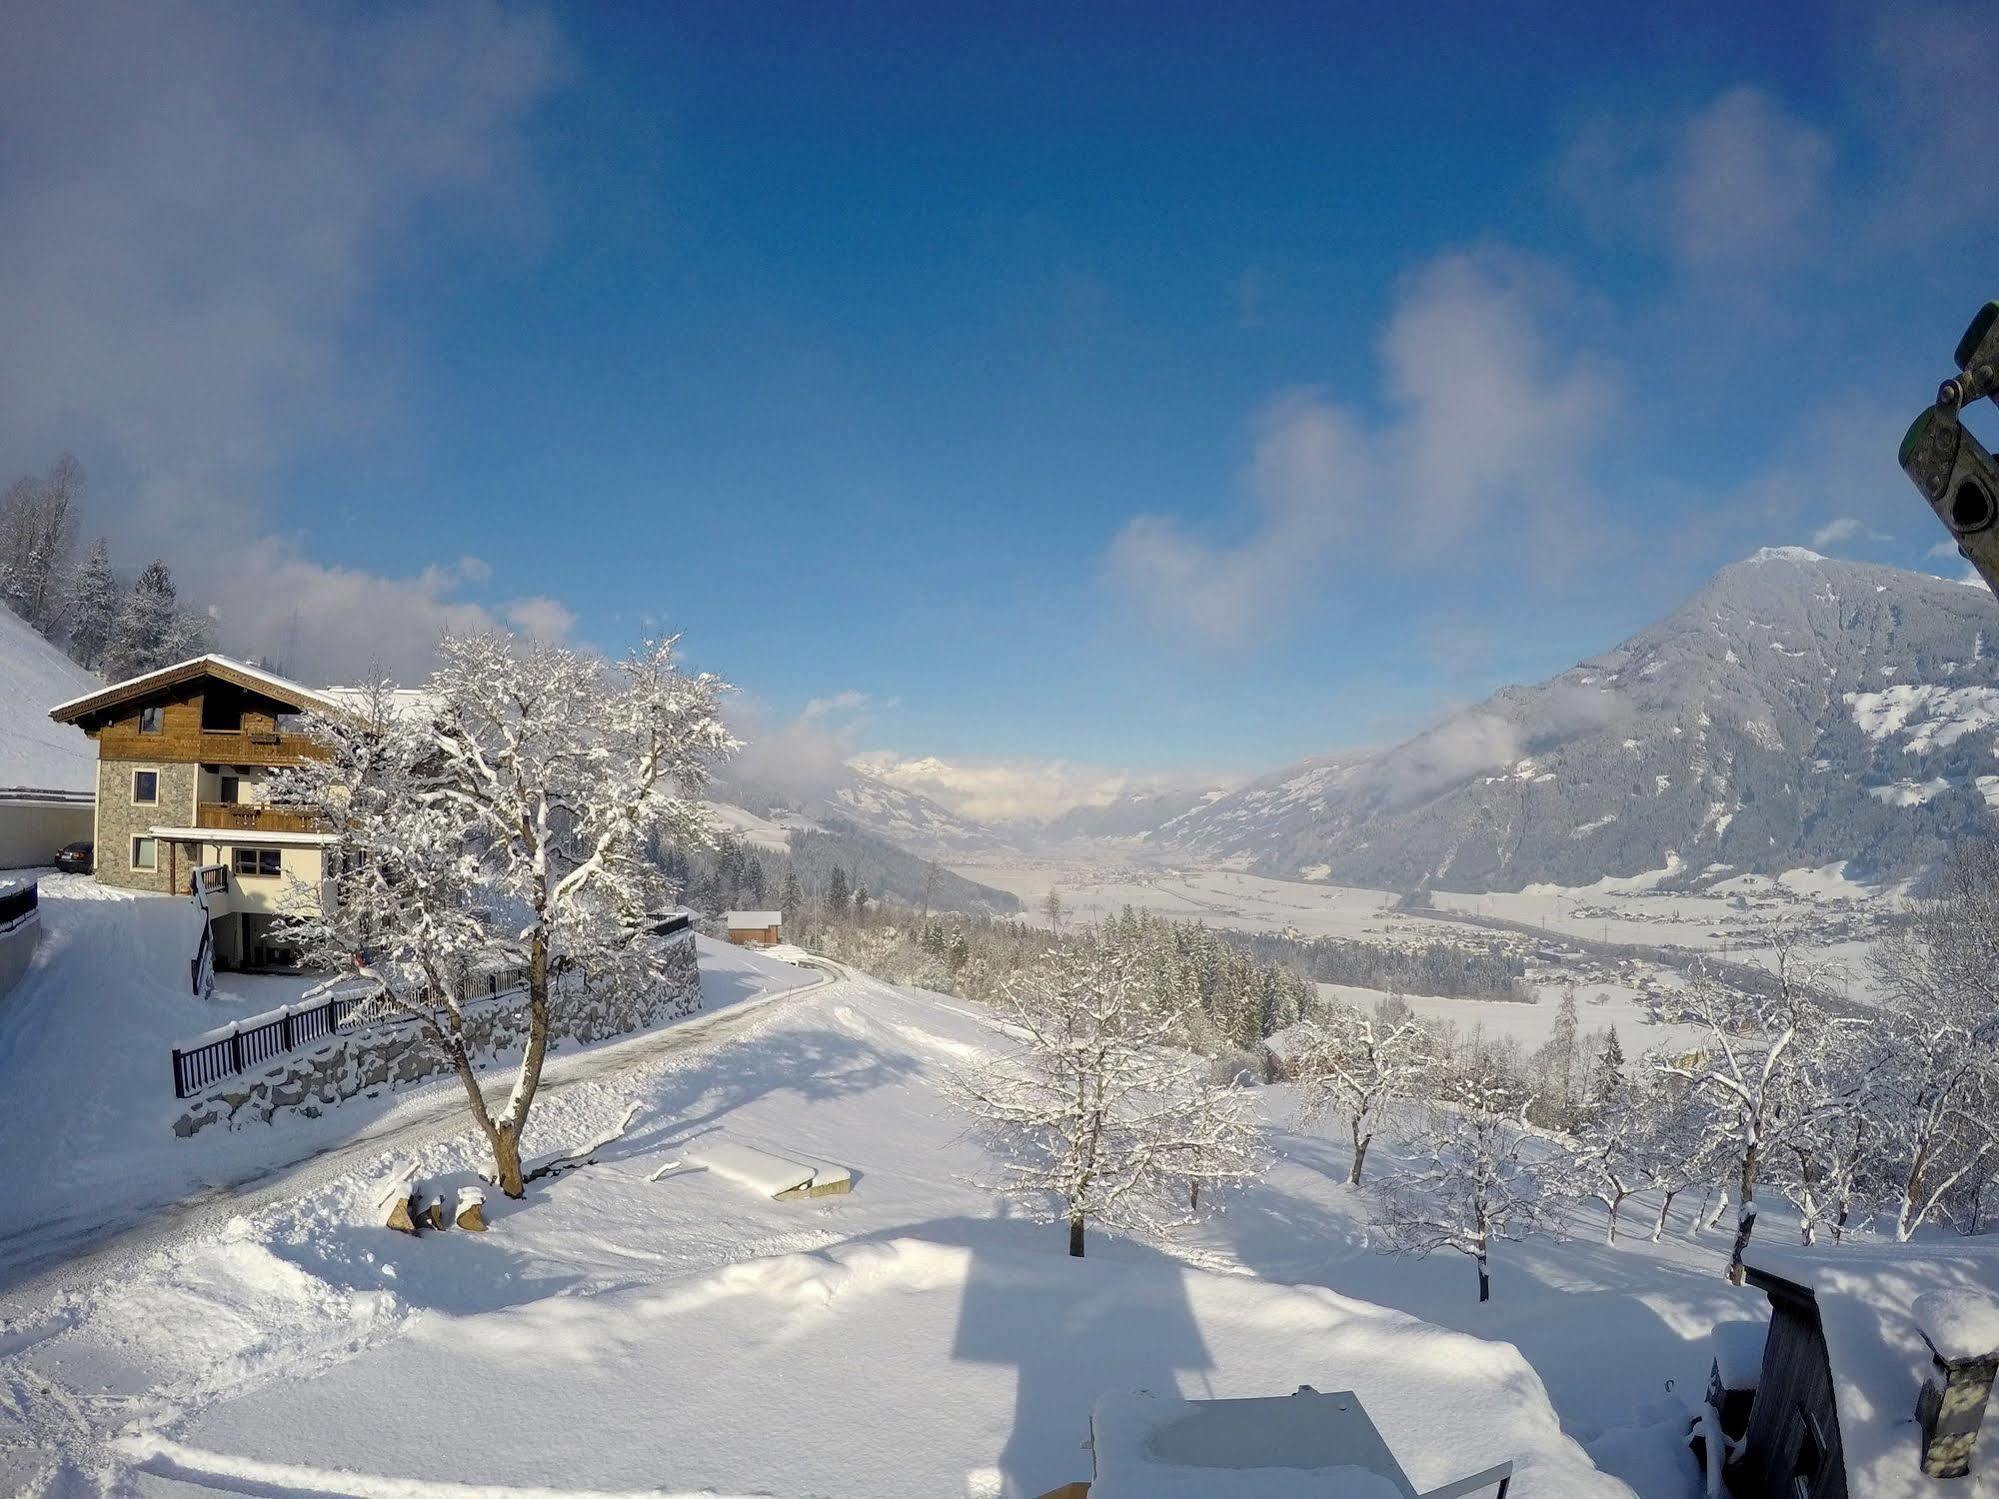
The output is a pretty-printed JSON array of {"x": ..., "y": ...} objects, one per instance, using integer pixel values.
[
  {"x": 148, "y": 626},
  {"x": 94, "y": 607},
  {"x": 836, "y": 894}
]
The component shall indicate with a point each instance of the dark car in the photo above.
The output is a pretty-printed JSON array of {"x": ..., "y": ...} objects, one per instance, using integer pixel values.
[{"x": 75, "y": 858}]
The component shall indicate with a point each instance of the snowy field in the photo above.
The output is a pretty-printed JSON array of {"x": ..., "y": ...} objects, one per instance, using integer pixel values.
[
  {"x": 1831, "y": 916},
  {"x": 84, "y": 1068},
  {"x": 1598, "y": 1007},
  {"x": 613, "y": 1334}
]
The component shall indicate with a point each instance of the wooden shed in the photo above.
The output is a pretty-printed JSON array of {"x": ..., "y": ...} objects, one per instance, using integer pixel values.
[
  {"x": 1792, "y": 1445},
  {"x": 1860, "y": 1393},
  {"x": 754, "y": 928}
]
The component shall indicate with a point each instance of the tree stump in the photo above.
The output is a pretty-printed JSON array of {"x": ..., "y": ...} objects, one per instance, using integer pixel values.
[
  {"x": 395, "y": 1204},
  {"x": 472, "y": 1209}
]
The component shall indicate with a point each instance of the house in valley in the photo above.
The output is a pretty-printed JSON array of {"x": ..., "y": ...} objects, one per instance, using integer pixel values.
[
  {"x": 754, "y": 928},
  {"x": 184, "y": 758}
]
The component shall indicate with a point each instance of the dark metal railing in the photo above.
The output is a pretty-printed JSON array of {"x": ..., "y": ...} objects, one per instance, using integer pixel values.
[
  {"x": 246, "y": 1046},
  {"x": 18, "y": 903}
]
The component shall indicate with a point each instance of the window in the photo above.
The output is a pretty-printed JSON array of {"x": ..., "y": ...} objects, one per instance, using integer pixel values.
[
  {"x": 152, "y": 720},
  {"x": 145, "y": 787},
  {"x": 145, "y": 854},
  {"x": 258, "y": 862},
  {"x": 232, "y": 791}
]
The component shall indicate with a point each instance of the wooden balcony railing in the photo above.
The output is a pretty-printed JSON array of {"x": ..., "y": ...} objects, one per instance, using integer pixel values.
[{"x": 248, "y": 817}]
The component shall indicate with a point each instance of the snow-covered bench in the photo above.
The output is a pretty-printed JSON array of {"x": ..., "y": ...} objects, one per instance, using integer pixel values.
[{"x": 770, "y": 1175}]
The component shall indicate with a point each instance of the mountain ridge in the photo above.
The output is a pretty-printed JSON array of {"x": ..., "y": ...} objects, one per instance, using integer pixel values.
[{"x": 1796, "y": 710}]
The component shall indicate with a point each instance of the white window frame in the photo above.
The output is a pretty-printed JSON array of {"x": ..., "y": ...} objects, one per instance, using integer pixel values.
[
  {"x": 146, "y": 770},
  {"x": 139, "y": 842}
]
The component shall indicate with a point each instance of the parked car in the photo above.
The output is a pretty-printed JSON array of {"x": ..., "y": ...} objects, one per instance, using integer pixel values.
[{"x": 76, "y": 858}]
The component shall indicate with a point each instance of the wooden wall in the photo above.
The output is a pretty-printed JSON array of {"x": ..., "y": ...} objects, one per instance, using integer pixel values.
[
  {"x": 182, "y": 739},
  {"x": 1795, "y": 1410}
]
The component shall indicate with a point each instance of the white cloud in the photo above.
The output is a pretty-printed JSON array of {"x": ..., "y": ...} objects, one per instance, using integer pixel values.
[
  {"x": 197, "y": 221},
  {"x": 1737, "y": 185},
  {"x": 1012, "y": 790},
  {"x": 542, "y": 617},
  {"x": 1507, "y": 417},
  {"x": 1942, "y": 549},
  {"x": 850, "y": 701},
  {"x": 1844, "y": 528}
]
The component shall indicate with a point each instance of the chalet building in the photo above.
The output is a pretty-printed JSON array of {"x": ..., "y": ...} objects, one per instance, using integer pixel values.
[
  {"x": 184, "y": 757},
  {"x": 754, "y": 928}
]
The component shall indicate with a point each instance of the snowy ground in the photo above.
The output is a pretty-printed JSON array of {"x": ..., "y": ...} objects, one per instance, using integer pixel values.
[
  {"x": 84, "y": 1070},
  {"x": 614, "y": 1334}
]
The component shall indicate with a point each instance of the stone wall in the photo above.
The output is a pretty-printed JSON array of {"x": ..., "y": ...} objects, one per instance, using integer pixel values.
[
  {"x": 378, "y": 1059},
  {"x": 119, "y": 822}
]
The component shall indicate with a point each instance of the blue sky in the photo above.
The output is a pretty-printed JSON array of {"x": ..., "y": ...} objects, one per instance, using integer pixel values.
[{"x": 1057, "y": 392}]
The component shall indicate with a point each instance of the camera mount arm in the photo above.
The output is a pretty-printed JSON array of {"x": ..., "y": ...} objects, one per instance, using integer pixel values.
[{"x": 1955, "y": 473}]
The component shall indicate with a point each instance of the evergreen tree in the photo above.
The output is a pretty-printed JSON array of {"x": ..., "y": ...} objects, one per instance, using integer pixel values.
[
  {"x": 860, "y": 902},
  {"x": 94, "y": 606},
  {"x": 836, "y": 894},
  {"x": 792, "y": 900},
  {"x": 149, "y": 626}
]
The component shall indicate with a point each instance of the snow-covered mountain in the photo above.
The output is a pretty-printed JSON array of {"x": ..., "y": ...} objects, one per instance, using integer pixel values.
[
  {"x": 906, "y": 818},
  {"x": 1797, "y": 711},
  {"x": 1133, "y": 816},
  {"x": 34, "y": 677}
]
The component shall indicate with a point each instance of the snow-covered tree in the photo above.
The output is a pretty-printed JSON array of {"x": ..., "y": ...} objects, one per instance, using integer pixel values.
[
  {"x": 94, "y": 606},
  {"x": 149, "y": 626},
  {"x": 1768, "y": 1067},
  {"x": 1097, "y": 1114},
  {"x": 1354, "y": 1064},
  {"x": 37, "y": 535},
  {"x": 837, "y": 897},
  {"x": 502, "y": 818},
  {"x": 1475, "y": 1173},
  {"x": 791, "y": 898},
  {"x": 1935, "y": 1064}
]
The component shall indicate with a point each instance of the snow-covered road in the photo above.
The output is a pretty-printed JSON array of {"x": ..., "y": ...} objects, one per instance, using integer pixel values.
[{"x": 104, "y": 1181}]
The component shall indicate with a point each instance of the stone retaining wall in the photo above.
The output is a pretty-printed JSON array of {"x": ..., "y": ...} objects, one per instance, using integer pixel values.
[{"x": 381, "y": 1058}]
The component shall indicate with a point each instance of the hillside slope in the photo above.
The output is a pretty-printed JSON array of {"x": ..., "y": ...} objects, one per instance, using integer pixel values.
[
  {"x": 1796, "y": 711},
  {"x": 34, "y": 677}
]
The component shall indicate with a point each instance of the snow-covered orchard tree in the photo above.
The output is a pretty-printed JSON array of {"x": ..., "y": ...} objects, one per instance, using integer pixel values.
[
  {"x": 1354, "y": 1064},
  {"x": 1769, "y": 1066},
  {"x": 1095, "y": 1111},
  {"x": 1935, "y": 1064},
  {"x": 1475, "y": 1172},
  {"x": 500, "y": 817}
]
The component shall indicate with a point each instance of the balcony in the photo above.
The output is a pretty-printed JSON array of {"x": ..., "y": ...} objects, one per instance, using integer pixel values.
[{"x": 248, "y": 817}]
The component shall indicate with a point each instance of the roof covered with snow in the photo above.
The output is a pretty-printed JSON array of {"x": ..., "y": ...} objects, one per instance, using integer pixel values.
[
  {"x": 1868, "y": 1297},
  {"x": 34, "y": 752},
  {"x": 745, "y": 920},
  {"x": 212, "y": 664}
]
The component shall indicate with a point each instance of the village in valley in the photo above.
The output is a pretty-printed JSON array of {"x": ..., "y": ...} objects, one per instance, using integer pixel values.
[{"x": 642, "y": 906}]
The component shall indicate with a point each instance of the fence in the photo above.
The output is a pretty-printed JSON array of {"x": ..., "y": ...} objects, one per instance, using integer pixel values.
[
  {"x": 16, "y": 904},
  {"x": 257, "y": 1040},
  {"x": 262, "y": 1038}
]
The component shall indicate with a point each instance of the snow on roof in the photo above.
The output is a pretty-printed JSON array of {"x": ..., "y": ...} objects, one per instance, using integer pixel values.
[
  {"x": 1298, "y": 1446},
  {"x": 281, "y": 687},
  {"x": 1867, "y": 1296},
  {"x": 397, "y": 702},
  {"x": 753, "y": 918},
  {"x": 1738, "y": 1353}
]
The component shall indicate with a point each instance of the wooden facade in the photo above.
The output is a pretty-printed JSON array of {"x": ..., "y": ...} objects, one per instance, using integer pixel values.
[{"x": 1792, "y": 1449}]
